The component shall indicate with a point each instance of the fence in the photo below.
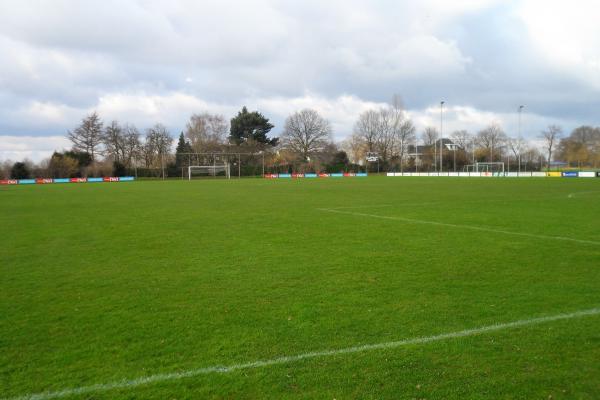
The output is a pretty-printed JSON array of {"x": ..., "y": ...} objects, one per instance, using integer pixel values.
[{"x": 535, "y": 174}]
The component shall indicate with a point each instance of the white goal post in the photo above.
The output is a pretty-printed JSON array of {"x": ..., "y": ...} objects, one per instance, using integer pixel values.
[
  {"x": 485, "y": 167},
  {"x": 209, "y": 170}
]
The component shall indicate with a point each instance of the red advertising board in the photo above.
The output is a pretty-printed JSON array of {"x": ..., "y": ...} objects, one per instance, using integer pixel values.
[
  {"x": 78, "y": 180},
  {"x": 323, "y": 175},
  {"x": 110, "y": 179},
  {"x": 270, "y": 176},
  {"x": 41, "y": 181},
  {"x": 297, "y": 175},
  {"x": 349, "y": 174}
]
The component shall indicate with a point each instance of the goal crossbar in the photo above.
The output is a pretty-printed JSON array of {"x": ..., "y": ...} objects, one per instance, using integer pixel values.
[{"x": 210, "y": 170}]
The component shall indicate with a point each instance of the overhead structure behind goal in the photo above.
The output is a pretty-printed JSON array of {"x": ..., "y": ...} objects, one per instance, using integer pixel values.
[{"x": 216, "y": 170}]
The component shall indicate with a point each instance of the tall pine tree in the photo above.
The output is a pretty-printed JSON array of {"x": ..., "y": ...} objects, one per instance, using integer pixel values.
[
  {"x": 183, "y": 146},
  {"x": 251, "y": 126}
]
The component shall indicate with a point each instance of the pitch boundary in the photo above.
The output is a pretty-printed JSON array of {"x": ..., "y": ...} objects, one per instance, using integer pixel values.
[
  {"x": 127, "y": 384},
  {"x": 469, "y": 227}
]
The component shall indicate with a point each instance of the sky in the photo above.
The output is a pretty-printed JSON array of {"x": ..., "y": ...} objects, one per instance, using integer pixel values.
[{"x": 147, "y": 61}]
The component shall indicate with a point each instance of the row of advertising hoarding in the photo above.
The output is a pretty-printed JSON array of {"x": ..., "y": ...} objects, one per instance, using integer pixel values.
[
  {"x": 554, "y": 174},
  {"x": 314, "y": 175},
  {"x": 45, "y": 181}
]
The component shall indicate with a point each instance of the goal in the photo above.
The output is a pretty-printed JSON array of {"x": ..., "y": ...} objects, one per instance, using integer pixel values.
[
  {"x": 217, "y": 170},
  {"x": 495, "y": 167}
]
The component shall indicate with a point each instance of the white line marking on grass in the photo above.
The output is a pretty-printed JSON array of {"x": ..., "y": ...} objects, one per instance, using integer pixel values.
[
  {"x": 127, "y": 384},
  {"x": 367, "y": 206},
  {"x": 471, "y": 227},
  {"x": 575, "y": 194}
]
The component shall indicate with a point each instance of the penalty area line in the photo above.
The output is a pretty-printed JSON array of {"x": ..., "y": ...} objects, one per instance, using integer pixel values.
[
  {"x": 132, "y": 383},
  {"x": 470, "y": 227}
]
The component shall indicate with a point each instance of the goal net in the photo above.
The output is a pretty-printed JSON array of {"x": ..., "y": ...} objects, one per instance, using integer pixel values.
[
  {"x": 494, "y": 167},
  {"x": 217, "y": 170}
]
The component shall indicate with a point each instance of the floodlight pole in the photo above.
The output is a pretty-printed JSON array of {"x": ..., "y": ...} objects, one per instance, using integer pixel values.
[
  {"x": 416, "y": 154},
  {"x": 520, "y": 110},
  {"x": 454, "y": 153},
  {"x": 441, "y": 135}
]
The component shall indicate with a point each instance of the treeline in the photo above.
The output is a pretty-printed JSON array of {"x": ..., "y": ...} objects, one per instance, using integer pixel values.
[{"x": 386, "y": 136}]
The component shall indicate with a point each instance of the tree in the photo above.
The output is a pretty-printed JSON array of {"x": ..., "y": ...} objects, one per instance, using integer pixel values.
[
  {"x": 367, "y": 128},
  {"x": 355, "y": 148},
  {"x": 305, "y": 133},
  {"x": 5, "y": 168},
  {"x": 582, "y": 147},
  {"x": 386, "y": 130},
  {"x": 401, "y": 130},
  {"x": 114, "y": 141},
  {"x": 119, "y": 169},
  {"x": 339, "y": 162},
  {"x": 63, "y": 166},
  {"x": 550, "y": 136},
  {"x": 430, "y": 135},
  {"x": 461, "y": 138},
  {"x": 406, "y": 135},
  {"x": 19, "y": 170},
  {"x": 206, "y": 132},
  {"x": 83, "y": 159},
  {"x": 251, "y": 126},
  {"x": 159, "y": 140},
  {"x": 516, "y": 145},
  {"x": 429, "y": 138},
  {"x": 158, "y": 145},
  {"x": 131, "y": 145},
  {"x": 183, "y": 146},
  {"x": 491, "y": 139},
  {"x": 87, "y": 137}
]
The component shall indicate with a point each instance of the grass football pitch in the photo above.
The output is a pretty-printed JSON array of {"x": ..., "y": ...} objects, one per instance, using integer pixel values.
[{"x": 371, "y": 288}]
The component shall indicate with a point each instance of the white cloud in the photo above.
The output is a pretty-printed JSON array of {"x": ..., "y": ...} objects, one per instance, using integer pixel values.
[
  {"x": 567, "y": 35},
  {"x": 34, "y": 148},
  {"x": 166, "y": 60}
]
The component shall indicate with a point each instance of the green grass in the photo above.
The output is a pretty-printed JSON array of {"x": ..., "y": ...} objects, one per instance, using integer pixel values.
[{"x": 105, "y": 282}]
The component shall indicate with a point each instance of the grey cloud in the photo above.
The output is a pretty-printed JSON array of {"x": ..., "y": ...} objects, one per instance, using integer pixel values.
[{"x": 228, "y": 53}]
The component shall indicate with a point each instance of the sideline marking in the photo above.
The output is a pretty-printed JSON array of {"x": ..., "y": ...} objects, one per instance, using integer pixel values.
[
  {"x": 365, "y": 206},
  {"x": 471, "y": 227},
  {"x": 125, "y": 384},
  {"x": 574, "y": 194}
]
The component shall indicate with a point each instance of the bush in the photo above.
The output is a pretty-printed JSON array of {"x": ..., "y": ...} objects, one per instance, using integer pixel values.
[
  {"x": 19, "y": 170},
  {"x": 119, "y": 169}
]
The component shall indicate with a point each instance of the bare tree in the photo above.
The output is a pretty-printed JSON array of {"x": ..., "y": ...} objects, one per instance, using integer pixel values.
[
  {"x": 386, "y": 130},
  {"x": 355, "y": 147},
  {"x": 132, "y": 147},
  {"x": 429, "y": 136},
  {"x": 206, "y": 132},
  {"x": 491, "y": 139},
  {"x": 306, "y": 132},
  {"x": 389, "y": 124},
  {"x": 5, "y": 167},
  {"x": 461, "y": 138},
  {"x": 87, "y": 137},
  {"x": 158, "y": 145},
  {"x": 550, "y": 136},
  {"x": 582, "y": 147},
  {"x": 367, "y": 128},
  {"x": 516, "y": 146},
  {"x": 114, "y": 141},
  {"x": 405, "y": 135},
  {"x": 62, "y": 166}
]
